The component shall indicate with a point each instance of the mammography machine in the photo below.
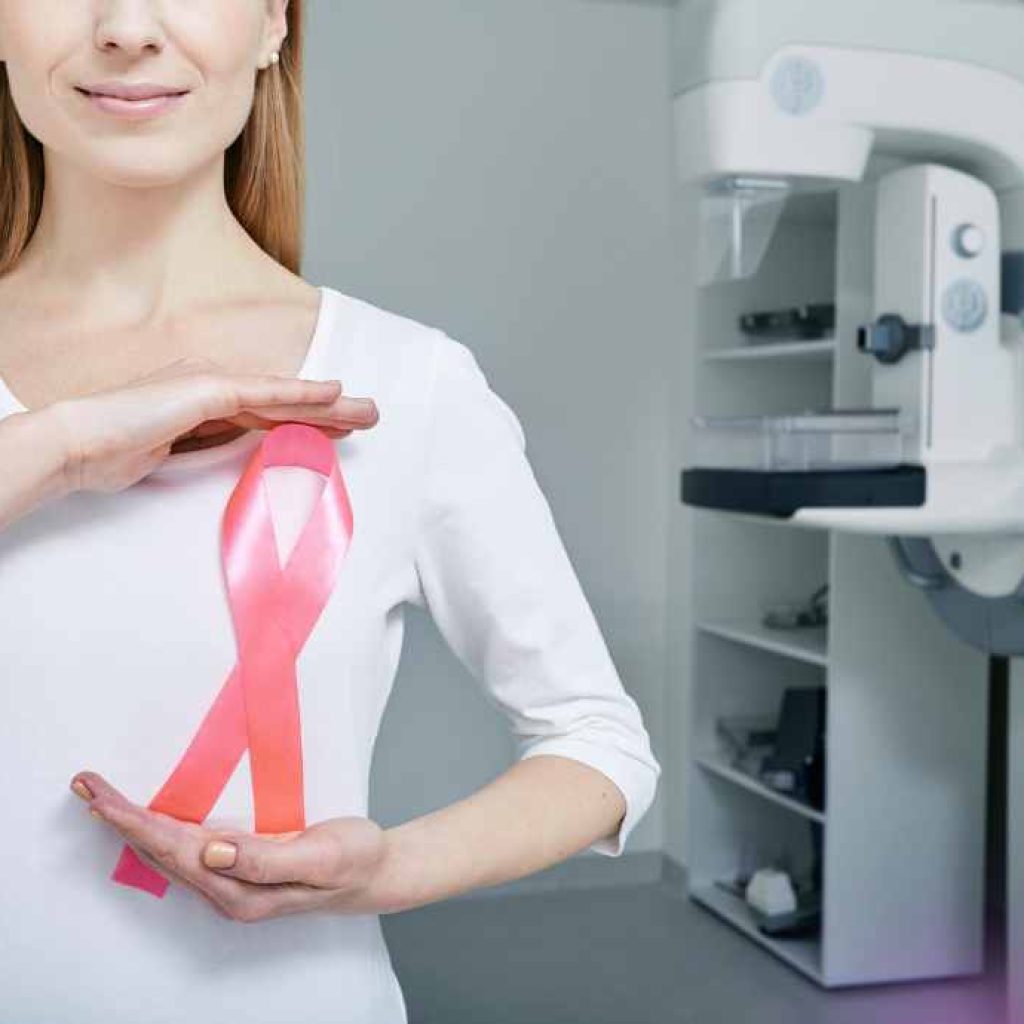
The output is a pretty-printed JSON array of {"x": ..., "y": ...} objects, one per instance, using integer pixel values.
[{"x": 778, "y": 95}]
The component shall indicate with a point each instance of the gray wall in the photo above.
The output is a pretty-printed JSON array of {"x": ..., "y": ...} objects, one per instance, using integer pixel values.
[{"x": 502, "y": 169}]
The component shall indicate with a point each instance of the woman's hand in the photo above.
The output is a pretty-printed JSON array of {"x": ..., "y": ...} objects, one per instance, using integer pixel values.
[
  {"x": 328, "y": 866},
  {"x": 114, "y": 437}
]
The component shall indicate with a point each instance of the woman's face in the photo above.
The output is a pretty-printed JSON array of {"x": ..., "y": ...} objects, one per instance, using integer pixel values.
[{"x": 211, "y": 49}]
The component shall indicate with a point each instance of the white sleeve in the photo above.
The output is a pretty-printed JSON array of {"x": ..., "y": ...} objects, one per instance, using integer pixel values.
[{"x": 500, "y": 587}]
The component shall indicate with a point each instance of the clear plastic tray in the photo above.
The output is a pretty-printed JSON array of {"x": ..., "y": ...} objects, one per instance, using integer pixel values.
[{"x": 832, "y": 440}]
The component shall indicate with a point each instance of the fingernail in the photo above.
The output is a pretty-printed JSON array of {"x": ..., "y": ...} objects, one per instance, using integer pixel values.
[
  {"x": 219, "y": 854},
  {"x": 95, "y": 813},
  {"x": 79, "y": 787}
]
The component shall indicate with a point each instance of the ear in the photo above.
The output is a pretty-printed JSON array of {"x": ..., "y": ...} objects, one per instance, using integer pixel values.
[{"x": 276, "y": 27}]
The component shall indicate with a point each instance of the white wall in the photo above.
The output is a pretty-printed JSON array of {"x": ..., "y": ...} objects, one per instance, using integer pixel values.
[{"x": 503, "y": 170}]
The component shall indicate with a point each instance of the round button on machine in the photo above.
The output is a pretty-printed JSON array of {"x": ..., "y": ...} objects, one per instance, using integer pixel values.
[
  {"x": 968, "y": 241},
  {"x": 965, "y": 305},
  {"x": 798, "y": 85}
]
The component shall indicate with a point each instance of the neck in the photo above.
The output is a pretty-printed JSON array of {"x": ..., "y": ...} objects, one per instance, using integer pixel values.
[{"x": 141, "y": 253}]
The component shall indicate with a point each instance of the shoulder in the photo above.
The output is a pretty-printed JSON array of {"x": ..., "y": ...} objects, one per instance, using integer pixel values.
[
  {"x": 420, "y": 369},
  {"x": 383, "y": 333},
  {"x": 391, "y": 347}
]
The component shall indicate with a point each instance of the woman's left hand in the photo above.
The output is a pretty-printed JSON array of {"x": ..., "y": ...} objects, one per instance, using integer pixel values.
[{"x": 327, "y": 866}]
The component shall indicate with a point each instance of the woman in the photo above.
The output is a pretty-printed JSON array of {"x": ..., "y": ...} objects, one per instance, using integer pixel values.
[{"x": 154, "y": 329}]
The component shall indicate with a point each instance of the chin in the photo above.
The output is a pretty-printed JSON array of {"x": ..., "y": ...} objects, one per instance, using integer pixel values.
[{"x": 139, "y": 166}]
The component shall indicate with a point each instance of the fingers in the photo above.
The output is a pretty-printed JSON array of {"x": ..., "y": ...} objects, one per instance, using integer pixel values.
[
  {"x": 336, "y": 858},
  {"x": 309, "y": 857},
  {"x": 175, "y": 848},
  {"x": 162, "y": 869},
  {"x": 261, "y": 390},
  {"x": 168, "y": 845},
  {"x": 262, "y": 403},
  {"x": 277, "y": 399},
  {"x": 110, "y": 439},
  {"x": 350, "y": 415}
]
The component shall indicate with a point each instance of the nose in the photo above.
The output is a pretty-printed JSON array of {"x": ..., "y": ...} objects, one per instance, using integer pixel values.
[{"x": 132, "y": 26}]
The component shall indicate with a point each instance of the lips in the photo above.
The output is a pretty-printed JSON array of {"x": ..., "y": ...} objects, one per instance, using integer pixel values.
[
  {"x": 145, "y": 101},
  {"x": 130, "y": 91}
]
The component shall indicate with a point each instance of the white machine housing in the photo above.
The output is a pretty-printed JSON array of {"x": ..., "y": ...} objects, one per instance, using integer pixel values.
[{"x": 807, "y": 92}]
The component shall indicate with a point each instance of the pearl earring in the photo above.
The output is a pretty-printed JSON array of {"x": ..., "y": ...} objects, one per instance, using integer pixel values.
[{"x": 274, "y": 57}]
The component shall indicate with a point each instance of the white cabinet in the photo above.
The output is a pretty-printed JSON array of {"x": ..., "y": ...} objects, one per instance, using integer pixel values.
[{"x": 902, "y": 832}]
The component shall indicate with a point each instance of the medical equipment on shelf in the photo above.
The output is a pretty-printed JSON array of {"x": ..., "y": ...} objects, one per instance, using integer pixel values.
[
  {"x": 777, "y": 97},
  {"x": 804, "y": 323},
  {"x": 771, "y": 892}
]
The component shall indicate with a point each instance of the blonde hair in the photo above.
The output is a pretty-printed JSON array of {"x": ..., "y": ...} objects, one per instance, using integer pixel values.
[{"x": 264, "y": 168}]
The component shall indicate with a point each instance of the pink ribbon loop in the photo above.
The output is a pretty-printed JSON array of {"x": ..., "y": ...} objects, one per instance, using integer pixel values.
[{"x": 273, "y": 612}]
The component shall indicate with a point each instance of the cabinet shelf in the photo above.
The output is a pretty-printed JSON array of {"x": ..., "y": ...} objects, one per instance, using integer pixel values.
[
  {"x": 717, "y": 766},
  {"x": 810, "y": 644},
  {"x": 897, "y": 679},
  {"x": 819, "y": 350},
  {"x": 802, "y": 953}
]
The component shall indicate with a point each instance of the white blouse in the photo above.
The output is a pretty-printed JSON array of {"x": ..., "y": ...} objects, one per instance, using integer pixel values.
[{"x": 116, "y": 636}]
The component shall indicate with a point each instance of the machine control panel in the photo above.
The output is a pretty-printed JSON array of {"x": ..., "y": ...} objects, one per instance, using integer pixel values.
[
  {"x": 965, "y": 305},
  {"x": 968, "y": 241},
  {"x": 798, "y": 85}
]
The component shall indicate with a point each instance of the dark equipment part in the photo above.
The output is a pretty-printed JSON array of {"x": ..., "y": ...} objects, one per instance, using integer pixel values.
[
  {"x": 799, "y": 323},
  {"x": 813, "y": 614},
  {"x": 890, "y": 338},
  {"x": 797, "y": 764},
  {"x": 994, "y": 625},
  {"x": 782, "y": 493}
]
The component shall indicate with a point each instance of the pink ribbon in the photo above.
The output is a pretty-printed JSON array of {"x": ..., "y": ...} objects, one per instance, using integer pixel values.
[{"x": 273, "y": 612}]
